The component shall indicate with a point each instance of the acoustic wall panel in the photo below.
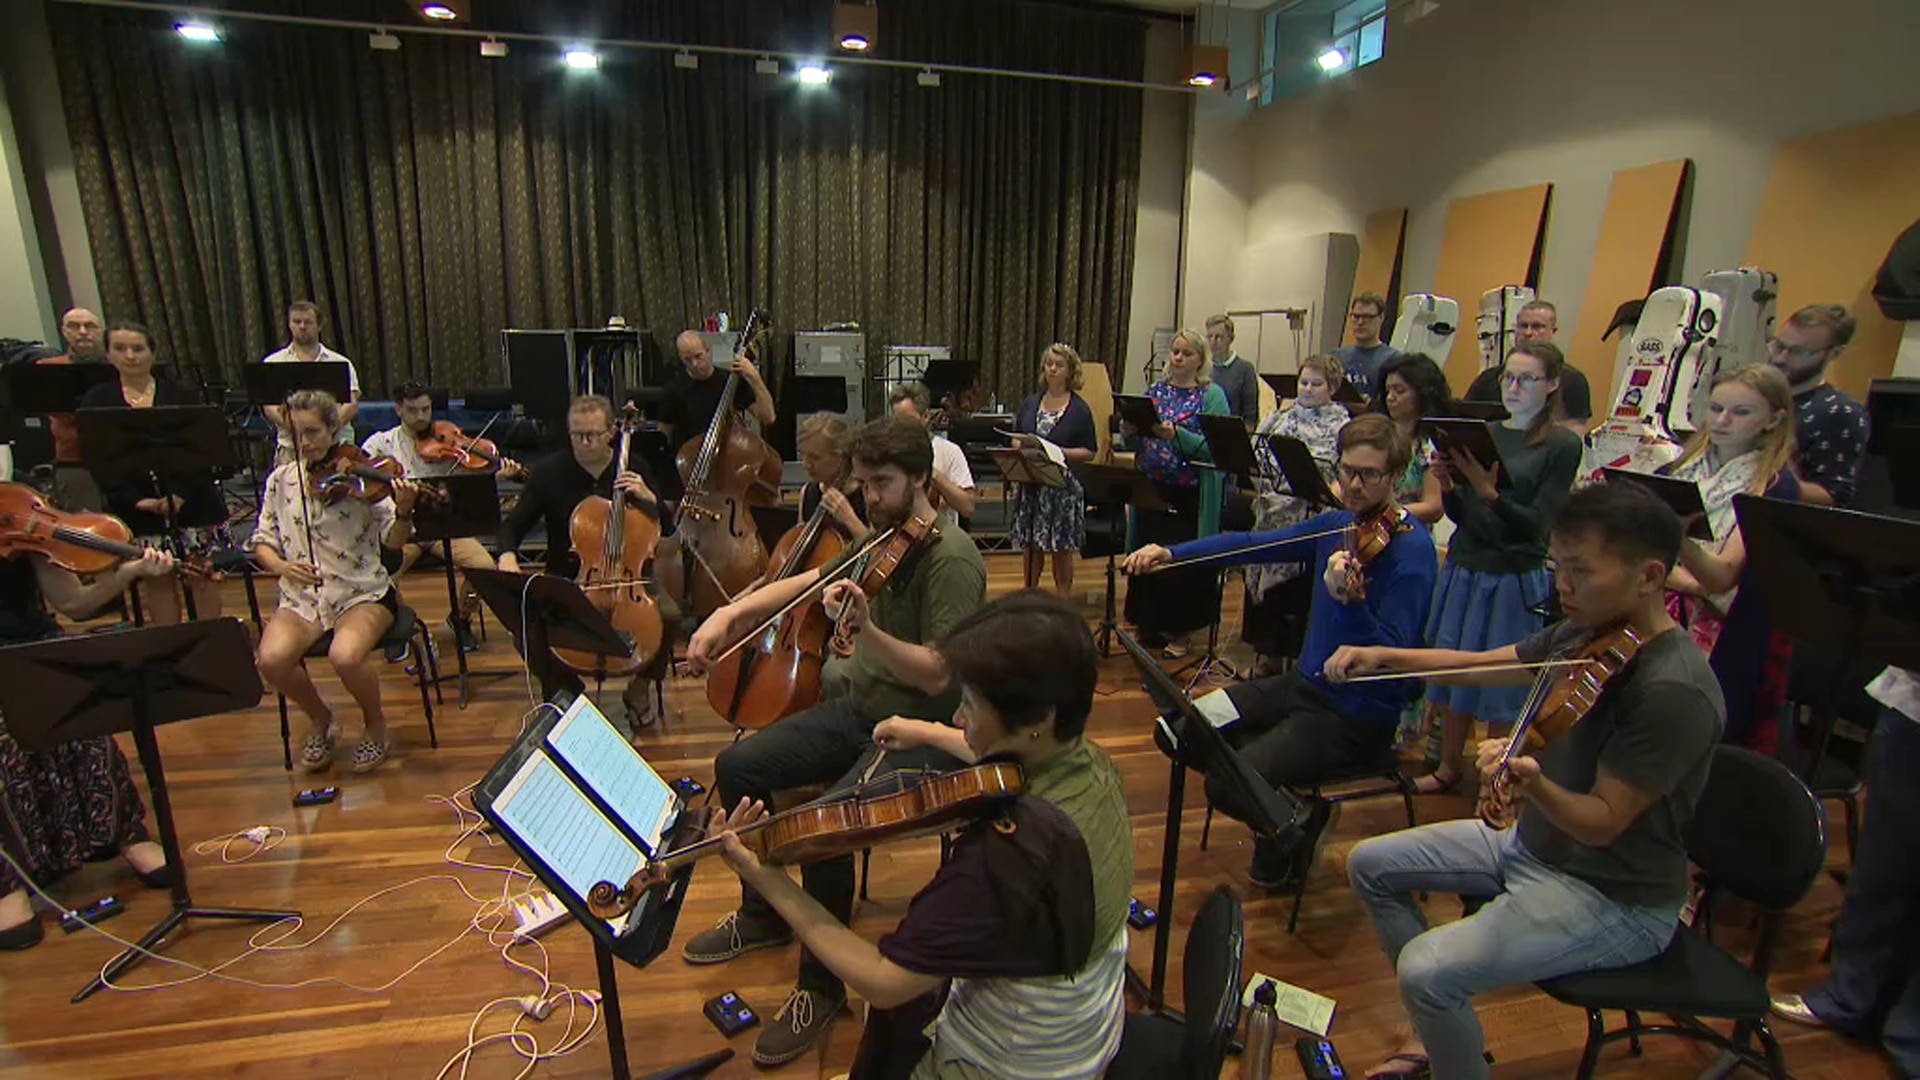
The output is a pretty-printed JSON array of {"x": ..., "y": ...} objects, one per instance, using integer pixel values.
[
  {"x": 1379, "y": 271},
  {"x": 1834, "y": 202},
  {"x": 1491, "y": 239},
  {"x": 1636, "y": 231}
]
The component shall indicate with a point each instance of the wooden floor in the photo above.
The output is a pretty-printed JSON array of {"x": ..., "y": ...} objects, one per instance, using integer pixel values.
[{"x": 386, "y": 829}]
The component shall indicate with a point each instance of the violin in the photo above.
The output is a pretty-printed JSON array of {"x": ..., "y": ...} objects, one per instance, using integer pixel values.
[
  {"x": 899, "y": 806},
  {"x": 444, "y": 443},
  {"x": 779, "y": 673},
  {"x": 902, "y": 543},
  {"x": 348, "y": 472},
  {"x": 1563, "y": 693},
  {"x": 1365, "y": 539},
  {"x": 614, "y": 540},
  {"x": 81, "y": 543},
  {"x": 715, "y": 552}
]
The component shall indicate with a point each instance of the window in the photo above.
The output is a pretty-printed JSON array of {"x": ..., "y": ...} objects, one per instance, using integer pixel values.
[
  {"x": 1360, "y": 32},
  {"x": 1291, "y": 44}
]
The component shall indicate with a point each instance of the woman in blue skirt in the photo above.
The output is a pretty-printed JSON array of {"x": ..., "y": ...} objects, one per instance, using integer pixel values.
[
  {"x": 1051, "y": 522},
  {"x": 1495, "y": 575}
]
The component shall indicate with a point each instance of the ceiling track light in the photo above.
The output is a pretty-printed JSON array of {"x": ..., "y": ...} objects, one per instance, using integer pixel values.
[
  {"x": 441, "y": 12},
  {"x": 1331, "y": 60},
  {"x": 381, "y": 41},
  {"x": 928, "y": 77},
  {"x": 581, "y": 59},
  {"x": 686, "y": 61},
  {"x": 815, "y": 74},
  {"x": 766, "y": 65},
  {"x": 200, "y": 32},
  {"x": 493, "y": 49}
]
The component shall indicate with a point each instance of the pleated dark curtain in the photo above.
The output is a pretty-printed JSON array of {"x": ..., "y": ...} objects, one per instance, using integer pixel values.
[{"x": 428, "y": 198}]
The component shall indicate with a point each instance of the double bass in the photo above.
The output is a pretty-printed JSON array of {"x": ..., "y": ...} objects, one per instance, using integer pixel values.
[
  {"x": 614, "y": 540},
  {"x": 715, "y": 551}
]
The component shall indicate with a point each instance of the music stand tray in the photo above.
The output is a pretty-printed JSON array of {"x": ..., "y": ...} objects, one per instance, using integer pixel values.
[
  {"x": 558, "y": 615},
  {"x": 59, "y": 691},
  {"x": 40, "y": 389},
  {"x": 272, "y": 384},
  {"x": 1682, "y": 495},
  {"x": 1115, "y": 487},
  {"x": 1025, "y": 465},
  {"x": 124, "y": 443},
  {"x": 1302, "y": 470},
  {"x": 1232, "y": 447}
]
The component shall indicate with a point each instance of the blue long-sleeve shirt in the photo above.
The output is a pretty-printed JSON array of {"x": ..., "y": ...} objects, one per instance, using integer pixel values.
[{"x": 1399, "y": 590}]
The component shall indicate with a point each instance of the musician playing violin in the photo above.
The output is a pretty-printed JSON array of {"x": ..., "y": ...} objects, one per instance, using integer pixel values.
[
  {"x": 894, "y": 671},
  {"x": 1028, "y": 921},
  {"x": 556, "y": 485},
  {"x": 1296, "y": 729},
  {"x": 1595, "y": 874},
  {"x": 327, "y": 555},
  {"x": 414, "y": 402}
]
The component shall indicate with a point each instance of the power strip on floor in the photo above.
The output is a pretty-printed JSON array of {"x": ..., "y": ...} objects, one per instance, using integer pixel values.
[{"x": 537, "y": 913}]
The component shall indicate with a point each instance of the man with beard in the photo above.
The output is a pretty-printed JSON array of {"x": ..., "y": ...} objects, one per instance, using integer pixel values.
[
  {"x": 303, "y": 332},
  {"x": 894, "y": 672},
  {"x": 1830, "y": 426}
]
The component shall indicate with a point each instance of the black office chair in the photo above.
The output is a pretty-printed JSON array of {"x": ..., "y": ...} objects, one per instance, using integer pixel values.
[
  {"x": 1759, "y": 834},
  {"x": 1160, "y": 1047},
  {"x": 408, "y": 630}
]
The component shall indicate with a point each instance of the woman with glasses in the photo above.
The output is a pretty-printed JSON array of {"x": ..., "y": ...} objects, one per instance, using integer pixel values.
[
  {"x": 1278, "y": 595},
  {"x": 554, "y": 487},
  {"x": 1412, "y": 388},
  {"x": 1170, "y": 606},
  {"x": 1050, "y": 523},
  {"x": 1495, "y": 580}
]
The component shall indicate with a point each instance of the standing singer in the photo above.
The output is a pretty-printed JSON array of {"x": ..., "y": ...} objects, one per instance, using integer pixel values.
[
  {"x": 327, "y": 555},
  {"x": 1596, "y": 871}
]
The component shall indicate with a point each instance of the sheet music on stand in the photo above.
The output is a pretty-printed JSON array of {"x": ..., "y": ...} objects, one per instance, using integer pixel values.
[{"x": 1030, "y": 460}]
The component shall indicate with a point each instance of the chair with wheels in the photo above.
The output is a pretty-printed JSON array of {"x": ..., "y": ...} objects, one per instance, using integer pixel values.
[
  {"x": 1161, "y": 1047},
  {"x": 1760, "y": 834}
]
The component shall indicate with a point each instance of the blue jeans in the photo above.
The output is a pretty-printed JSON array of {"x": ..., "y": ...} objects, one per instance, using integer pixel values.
[{"x": 1543, "y": 923}]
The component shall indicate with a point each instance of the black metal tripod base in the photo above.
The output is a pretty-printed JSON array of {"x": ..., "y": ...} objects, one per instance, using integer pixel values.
[{"x": 156, "y": 936}]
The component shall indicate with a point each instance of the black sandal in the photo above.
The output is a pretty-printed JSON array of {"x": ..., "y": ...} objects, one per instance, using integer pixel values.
[{"x": 1455, "y": 786}]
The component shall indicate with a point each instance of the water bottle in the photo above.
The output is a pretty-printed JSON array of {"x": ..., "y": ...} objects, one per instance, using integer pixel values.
[{"x": 1262, "y": 1028}]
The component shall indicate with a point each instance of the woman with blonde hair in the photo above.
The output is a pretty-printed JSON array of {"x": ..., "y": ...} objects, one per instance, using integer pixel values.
[
  {"x": 824, "y": 441},
  {"x": 1279, "y": 594},
  {"x": 1746, "y": 448},
  {"x": 1166, "y": 607},
  {"x": 1051, "y": 522}
]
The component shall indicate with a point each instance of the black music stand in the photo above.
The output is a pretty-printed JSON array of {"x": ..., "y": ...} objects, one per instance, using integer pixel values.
[
  {"x": 471, "y": 509},
  {"x": 1111, "y": 489},
  {"x": 272, "y": 384},
  {"x": 949, "y": 379},
  {"x": 58, "y": 691},
  {"x": 1286, "y": 387},
  {"x": 164, "y": 441},
  {"x": 1302, "y": 470},
  {"x": 40, "y": 389},
  {"x": 1197, "y": 745},
  {"x": 557, "y": 615}
]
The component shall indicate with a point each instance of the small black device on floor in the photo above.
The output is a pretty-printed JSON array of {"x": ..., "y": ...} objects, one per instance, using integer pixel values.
[
  {"x": 315, "y": 796},
  {"x": 687, "y": 787},
  {"x": 730, "y": 1014},
  {"x": 1139, "y": 916},
  {"x": 98, "y": 911},
  {"x": 1319, "y": 1060}
]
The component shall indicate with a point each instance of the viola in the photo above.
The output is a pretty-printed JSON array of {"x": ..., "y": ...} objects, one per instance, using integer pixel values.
[
  {"x": 899, "y": 806},
  {"x": 82, "y": 543},
  {"x": 1563, "y": 693},
  {"x": 444, "y": 443},
  {"x": 777, "y": 673},
  {"x": 715, "y": 552},
  {"x": 614, "y": 540},
  {"x": 1365, "y": 539}
]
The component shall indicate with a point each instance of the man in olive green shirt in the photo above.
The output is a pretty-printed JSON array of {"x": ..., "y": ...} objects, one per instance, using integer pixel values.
[{"x": 894, "y": 670}]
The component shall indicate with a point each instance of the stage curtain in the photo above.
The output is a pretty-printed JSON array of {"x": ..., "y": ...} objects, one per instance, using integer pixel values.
[{"x": 428, "y": 198}]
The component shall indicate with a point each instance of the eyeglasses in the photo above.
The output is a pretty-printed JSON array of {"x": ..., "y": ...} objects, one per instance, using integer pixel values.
[
  {"x": 585, "y": 438},
  {"x": 1367, "y": 477},
  {"x": 1525, "y": 381},
  {"x": 1798, "y": 352},
  {"x": 1361, "y": 316}
]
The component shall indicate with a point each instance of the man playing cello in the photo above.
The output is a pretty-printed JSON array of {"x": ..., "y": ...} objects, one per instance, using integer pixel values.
[{"x": 894, "y": 671}]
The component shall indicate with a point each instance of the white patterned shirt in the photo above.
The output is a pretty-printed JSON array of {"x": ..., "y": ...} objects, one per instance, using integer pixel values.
[{"x": 345, "y": 540}]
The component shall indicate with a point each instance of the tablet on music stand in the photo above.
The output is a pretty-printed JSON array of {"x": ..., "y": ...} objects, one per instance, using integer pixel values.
[
  {"x": 1682, "y": 495},
  {"x": 1138, "y": 410},
  {"x": 272, "y": 384},
  {"x": 1473, "y": 436}
]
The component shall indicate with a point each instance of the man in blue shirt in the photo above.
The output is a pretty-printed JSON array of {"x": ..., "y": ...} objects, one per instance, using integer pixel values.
[
  {"x": 1297, "y": 729},
  {"x": 1831, "y": 428},
  {"x": 1367, "y": 315}
]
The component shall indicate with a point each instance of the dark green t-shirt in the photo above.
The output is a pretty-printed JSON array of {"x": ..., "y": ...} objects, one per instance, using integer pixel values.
[
  {"x": 1655, "y": 728},
  {"x": 945, "y": 582},
  {"x": 1083, "y": 781},
  {"x": 1510, "y": 536}
]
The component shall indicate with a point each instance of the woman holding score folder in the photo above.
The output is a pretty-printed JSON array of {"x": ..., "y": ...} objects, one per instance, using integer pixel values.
[{"x": 1051, "y": 522}]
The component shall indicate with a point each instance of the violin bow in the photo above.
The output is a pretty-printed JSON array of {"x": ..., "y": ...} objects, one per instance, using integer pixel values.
[
  {"x": 844, "y": 571},
  {"x": 1467, "y": 669}
]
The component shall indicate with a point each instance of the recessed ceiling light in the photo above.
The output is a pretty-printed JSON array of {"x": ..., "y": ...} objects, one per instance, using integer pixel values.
[
  {"x": 1332, "y": 60},
  {"x": 582, "y": 59},
  {"x": 1201, "y": 78},
  {"x": 197, "y": 32},
  {"x": 815, "y": 75},
  {"x": 855, "y": 43},
  {"x": 439, "y": 11}
]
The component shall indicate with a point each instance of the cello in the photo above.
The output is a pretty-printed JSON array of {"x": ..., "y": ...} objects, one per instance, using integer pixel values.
[
  {"x": 715, "y": 552},
  {"x": 614, "y": 540},
  {"x": 778, "y": 672}
]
